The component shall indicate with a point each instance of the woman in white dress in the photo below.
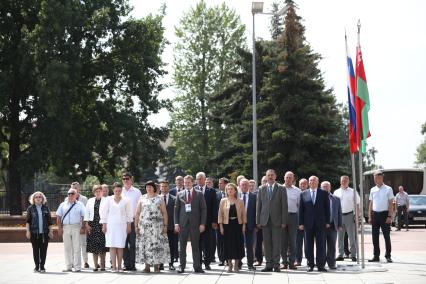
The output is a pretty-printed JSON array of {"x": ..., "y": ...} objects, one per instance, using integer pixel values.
[
  {"x": 152, "y": 245},
  {"x": 116, "y": 217}
]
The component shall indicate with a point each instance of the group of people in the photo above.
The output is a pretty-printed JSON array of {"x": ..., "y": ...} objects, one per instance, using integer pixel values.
[{"x": 239, "y": 220}]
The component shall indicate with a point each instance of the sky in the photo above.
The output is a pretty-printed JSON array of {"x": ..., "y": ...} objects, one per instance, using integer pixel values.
[{"x": 393, "y": 41}]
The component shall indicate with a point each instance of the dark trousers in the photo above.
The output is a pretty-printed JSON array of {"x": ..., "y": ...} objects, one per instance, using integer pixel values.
[
  {"x": 219, "y": 244},
  {"x": 206, "y": 240},
  {"x": 402, "y": 210},
  {"x": 173, "y": 244},
  {"x": 318, "y": 235},
  {"x": 194, "y": 235},
  {"x": 39, "y": 243},
  {"x": 213, "y": 245},
  {"x": 331, "y": 237},
  {"x": 299, "y": 244},
  {"x": 379, "y": 222},
  {"x": 258, "y": 252},
  {"x": 346, "y": 244},
  {"x": 249, "y": 238},
  {"x": 129, "y": 252}
]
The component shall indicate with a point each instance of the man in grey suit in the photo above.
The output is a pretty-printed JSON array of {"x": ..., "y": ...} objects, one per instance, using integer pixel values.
[
  {"x": 271, "y": 217},
  {"x": 335, "y": 225},
  {"x": 190, "y": 220}
]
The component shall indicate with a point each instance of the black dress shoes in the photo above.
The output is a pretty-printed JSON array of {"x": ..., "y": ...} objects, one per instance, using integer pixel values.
[
  {"x": 171, "y": 267},
  {"x": 322, "y": 269},
  {"x": 354, "y": 259},
  {"x": 161, "y": 266},
  {"x": 199, "y": 270},
  {"x": 340, "y": 258},
  {"x": 181, "y": 270},
  {"x": 374, "y": 259},
  {"x": 333, "y": 268},
  {"x": 389, "y": 260},
  {"x": 277, "y": 269},
  {"x": 310, "y": 269},
  {"x": 267, "y": 269},
  {"x": 207, "y": 266}
]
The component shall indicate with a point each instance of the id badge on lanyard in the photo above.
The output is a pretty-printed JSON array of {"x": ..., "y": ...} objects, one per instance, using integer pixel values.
[{"x": 187, "y": 207}]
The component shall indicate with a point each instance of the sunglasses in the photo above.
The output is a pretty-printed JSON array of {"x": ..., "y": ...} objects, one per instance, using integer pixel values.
[
  {"x": 126, "y": 178},
  {"x": 71, "y": 193}
]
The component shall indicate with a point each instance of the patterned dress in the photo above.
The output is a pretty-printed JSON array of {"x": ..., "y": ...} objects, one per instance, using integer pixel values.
[
  {"x": 152, "y": 245},
  {"x": 96, "y": 239}
]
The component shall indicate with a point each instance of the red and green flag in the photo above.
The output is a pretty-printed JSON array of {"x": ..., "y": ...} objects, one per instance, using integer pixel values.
[{"x": 362, "y": 101}]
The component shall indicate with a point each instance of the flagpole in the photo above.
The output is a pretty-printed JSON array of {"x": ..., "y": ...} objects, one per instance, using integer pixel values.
[
  {"x": 356, "y": 207},
  {"x": 361, "y": 180}
]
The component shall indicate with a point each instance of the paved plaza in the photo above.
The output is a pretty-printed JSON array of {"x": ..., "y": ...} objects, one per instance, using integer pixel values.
[{"x": 408, "y": 253}]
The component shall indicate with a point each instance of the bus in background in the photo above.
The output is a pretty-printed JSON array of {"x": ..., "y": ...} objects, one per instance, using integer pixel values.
[{"x": 412, "y": 179}]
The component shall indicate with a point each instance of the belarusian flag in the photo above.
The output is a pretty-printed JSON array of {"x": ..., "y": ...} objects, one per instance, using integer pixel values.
[{"x": 362, "y": 102}]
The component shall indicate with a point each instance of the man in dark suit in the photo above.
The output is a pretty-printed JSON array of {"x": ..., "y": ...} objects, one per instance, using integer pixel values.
[
  {"x": 178, "y": 187},
  {"x": 271, "y": 216},
  {"x": 206, "y": 237},
  {"x": 249, "y": 201},
  {"x": 314, "y": 218},
  {"x": 219, "y": 237},
  {"x": 335, "y": 225},
  {"x": 172, "y": 236},
  {"x": 190, "y": 220}
]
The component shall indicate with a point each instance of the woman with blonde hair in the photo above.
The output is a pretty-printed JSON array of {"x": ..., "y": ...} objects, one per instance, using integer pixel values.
[
  {"x": 39, "y": 228},
  {"x": 95, "y": 236},
  {"x": 232, "y": 219}
]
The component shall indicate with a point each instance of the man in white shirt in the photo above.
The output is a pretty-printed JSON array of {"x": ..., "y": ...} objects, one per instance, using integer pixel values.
[
  {"x": 83, "y": 237},
  {"x": 346, "y": 196},
  {"x": 69, "y": 218},
  {"x": 380, "y": 212},
  {"x": 133, "y": 194},
  {"x": 289, "y": 234},
  {"x": 402, "y": 203}
]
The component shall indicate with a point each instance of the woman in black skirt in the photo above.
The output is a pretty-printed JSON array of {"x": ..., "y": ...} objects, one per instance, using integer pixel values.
[
  {"x": 232, "y": 220},
  {"x": 95, "y": 236},
  {"x": 39, "y": 228}
]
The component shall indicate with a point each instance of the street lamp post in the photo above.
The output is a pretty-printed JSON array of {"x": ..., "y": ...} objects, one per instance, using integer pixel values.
[{"x": 257, "y": 8}]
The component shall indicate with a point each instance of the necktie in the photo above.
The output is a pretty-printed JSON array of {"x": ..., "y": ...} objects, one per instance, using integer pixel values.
[
  {"x": 331, "y": 209},
  {"x": 314, "y": 192},
  {"x": 270, "y": 192},
  {"x": 189, "y": 196},
  {"x": 244, "y": 199},
  {"x": 165, "y": 199}
]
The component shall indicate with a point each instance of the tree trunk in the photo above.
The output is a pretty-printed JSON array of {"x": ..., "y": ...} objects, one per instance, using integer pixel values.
[{"x": 14, "y": 192}]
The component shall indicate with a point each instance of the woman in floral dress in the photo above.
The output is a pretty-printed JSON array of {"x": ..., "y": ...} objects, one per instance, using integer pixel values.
[{"x": 152, "y": 247}]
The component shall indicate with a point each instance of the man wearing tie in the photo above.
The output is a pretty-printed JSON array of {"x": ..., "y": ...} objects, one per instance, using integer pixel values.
[
  {"x": 335, "y": 225},
  {"x": 190, "y": 220},
  {"x": 206, "y": 237},
  {"x": 172, "y": 236},
  {"x": 271, "y": 217},
  {"x": 219, "y": 237},
  {"x": 178, "y": 187},
  {"x": 249, "y": 201},
  {"x": 314, "y": 218}
]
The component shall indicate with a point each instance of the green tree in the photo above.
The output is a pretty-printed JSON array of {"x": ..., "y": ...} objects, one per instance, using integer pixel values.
[
  {"x": 421, "y": 150},
  {"x": 299, "y": 122},
  {"x": 208, "y": 38},
  {"x": 68, "y": 84}
]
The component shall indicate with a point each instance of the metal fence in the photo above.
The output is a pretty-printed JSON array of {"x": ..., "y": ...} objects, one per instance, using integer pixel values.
[{"x": 55, "y": 195}]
